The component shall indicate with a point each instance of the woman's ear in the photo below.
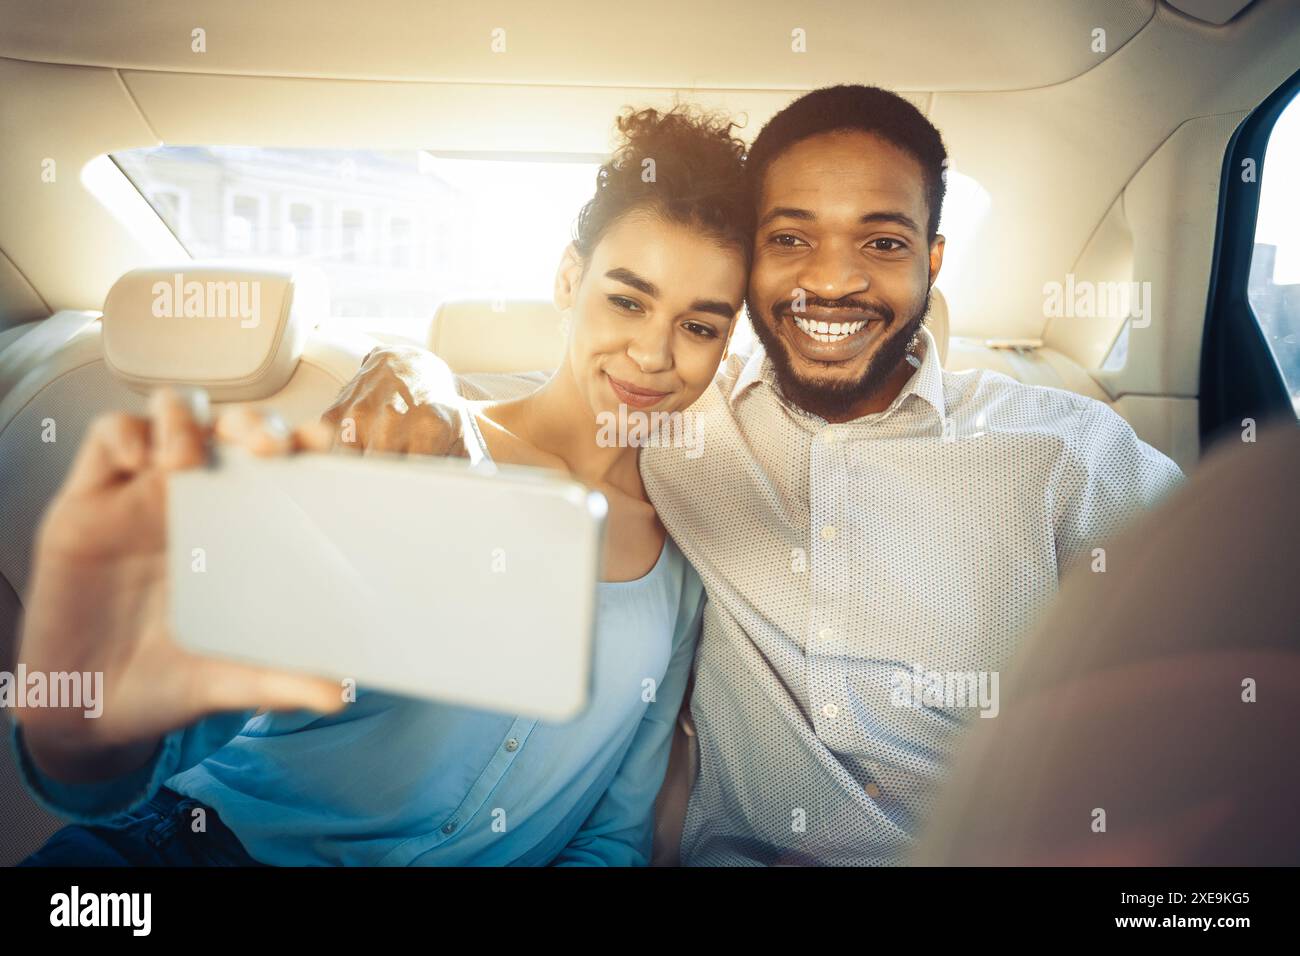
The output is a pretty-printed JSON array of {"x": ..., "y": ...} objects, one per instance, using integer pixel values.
[{"x": 567, "y": 278}]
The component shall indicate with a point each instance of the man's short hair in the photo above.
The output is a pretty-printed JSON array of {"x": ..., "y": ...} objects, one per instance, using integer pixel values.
[{"x": 867, "y": 109}]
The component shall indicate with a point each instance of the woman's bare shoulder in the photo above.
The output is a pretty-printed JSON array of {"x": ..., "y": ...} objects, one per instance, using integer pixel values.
[{"x": 503, "y": 444}]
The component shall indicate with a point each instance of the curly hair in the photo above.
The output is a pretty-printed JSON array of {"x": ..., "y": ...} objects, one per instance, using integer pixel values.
[{"x": 684, "y": 165}]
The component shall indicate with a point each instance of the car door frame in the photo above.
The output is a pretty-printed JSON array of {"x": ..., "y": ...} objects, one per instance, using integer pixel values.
[{"x": 1240, "y": 377}]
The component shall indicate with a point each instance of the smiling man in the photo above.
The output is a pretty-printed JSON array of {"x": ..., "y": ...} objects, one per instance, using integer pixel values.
[
  {"x": 847, "y": 247},
  {"x": 858, "y": 514}
]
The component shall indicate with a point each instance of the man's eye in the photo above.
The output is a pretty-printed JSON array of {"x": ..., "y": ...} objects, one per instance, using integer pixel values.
[
  {"x": 703, "y": 331},
  {"x": 887, "y": 245},
  {"x": 785, "y": 239},
  {"x": 624, "y": 303}
]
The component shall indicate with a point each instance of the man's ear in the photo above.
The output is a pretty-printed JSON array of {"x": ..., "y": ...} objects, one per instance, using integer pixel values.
[
  {"x": 936, "y": 257},
  {"x": 567, "y": 278}
]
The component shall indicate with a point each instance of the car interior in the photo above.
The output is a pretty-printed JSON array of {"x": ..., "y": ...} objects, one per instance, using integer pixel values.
[{"x": 1103, "y": 216}]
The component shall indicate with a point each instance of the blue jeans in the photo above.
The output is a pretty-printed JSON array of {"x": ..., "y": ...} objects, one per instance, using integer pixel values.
[{"x": 161, "y": 833}]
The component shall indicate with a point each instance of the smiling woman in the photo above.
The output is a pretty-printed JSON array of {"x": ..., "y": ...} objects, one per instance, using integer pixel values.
[{"x": 651, "y": 286}]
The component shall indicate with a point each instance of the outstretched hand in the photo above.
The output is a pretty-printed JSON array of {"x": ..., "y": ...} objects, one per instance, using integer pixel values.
[{"x": 98, "y": 598}]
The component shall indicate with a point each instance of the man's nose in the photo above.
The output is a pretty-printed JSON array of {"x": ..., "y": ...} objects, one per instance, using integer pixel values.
[{"x": 834, "y": 271}]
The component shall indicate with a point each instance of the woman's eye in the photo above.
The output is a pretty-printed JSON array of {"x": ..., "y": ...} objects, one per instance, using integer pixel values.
[
  {"x": 703, "y": 331},
  {"x": 623, "y": 302}
]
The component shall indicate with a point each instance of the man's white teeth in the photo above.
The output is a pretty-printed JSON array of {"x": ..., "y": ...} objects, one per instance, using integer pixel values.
[{"x": 828, "y": 331}]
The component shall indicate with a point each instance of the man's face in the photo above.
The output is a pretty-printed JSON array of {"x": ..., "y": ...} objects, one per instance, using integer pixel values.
[{"x": 842, "y": 226}]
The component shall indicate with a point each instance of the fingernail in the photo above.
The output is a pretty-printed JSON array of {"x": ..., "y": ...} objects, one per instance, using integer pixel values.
[
  {"x": 275, "y": 426},
  {"x": 157, "y": 398},
  {"x": 200, "y": 406}
]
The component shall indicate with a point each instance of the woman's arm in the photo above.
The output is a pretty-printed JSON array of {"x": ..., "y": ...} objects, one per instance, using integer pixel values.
[
  {"x": 97, "y": 606},
  {"x": 102, "y": 799}
]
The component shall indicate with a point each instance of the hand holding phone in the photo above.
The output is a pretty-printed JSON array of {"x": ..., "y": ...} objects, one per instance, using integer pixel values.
[
  {"x": 427, "y": 577},
  {"x": 98, "y": 599}
]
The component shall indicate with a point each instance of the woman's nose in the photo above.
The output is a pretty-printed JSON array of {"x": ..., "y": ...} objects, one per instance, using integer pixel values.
[{"x": 652, "y": 350}]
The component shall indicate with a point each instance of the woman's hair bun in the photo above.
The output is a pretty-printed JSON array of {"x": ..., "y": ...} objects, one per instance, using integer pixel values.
[{"x": 684, "y": 164}]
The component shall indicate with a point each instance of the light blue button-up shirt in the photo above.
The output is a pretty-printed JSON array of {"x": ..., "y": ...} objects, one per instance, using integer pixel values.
[{"x": 396, "y": 781}]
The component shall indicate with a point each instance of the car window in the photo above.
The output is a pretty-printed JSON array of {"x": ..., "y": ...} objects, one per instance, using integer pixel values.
[
  {"x": 395, "y": 231},
  {"x": 1274, "y": 285}
]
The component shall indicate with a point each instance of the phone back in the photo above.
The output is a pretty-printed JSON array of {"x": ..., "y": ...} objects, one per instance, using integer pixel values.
[{"x": 424, "y": 577}]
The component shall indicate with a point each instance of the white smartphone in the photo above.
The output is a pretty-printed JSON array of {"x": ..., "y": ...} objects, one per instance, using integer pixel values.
[{"x": 428, "y": 577}]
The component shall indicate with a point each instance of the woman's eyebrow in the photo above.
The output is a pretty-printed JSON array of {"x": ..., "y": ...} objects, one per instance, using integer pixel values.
[
  {"x": 630, "y": 278},
  {"x": 715, "y": 307}
]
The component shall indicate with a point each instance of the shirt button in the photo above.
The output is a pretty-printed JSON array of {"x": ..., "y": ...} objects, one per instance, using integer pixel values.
[
  {"x": 449, "y": 827},
  {"x": 830, "y": 711},
  {"x": 873, "y": 791},
  {"x": 829, "y": 532},
  {"x": 830, "y": 436},
  {"x": 512, "y": 745},
  {"x": 825, "y": 634}
]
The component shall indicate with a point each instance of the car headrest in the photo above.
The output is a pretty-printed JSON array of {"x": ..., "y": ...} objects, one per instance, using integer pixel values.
[
  {"x": 937, "y": 323},
  {"x": 236, "y": 331},
  {"x": 478, "y": 335}
]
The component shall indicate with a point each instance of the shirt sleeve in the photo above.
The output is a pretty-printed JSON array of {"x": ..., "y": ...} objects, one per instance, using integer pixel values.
[
  {"x": 102, "y": 800},
  {"x": 1107, "y": 477},
  {"x": 620, "y": 830}
]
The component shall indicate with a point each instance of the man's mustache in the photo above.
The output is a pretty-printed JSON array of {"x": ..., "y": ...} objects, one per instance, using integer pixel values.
[{"x": 879, "y": 310}]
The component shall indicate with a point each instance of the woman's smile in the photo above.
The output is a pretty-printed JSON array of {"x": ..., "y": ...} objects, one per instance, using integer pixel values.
[{"x": 635, "y": 395}]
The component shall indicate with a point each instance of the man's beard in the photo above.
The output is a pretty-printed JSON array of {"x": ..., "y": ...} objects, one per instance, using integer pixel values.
[{"x": 834, "y": 400}]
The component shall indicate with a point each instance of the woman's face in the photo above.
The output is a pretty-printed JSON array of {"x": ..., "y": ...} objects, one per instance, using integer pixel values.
[{"x": 650, "y": 314}]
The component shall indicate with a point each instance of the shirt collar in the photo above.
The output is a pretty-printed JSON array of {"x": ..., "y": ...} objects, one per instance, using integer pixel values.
[
  {"x": 926, "y": 383},
  {"x": 757, "y": 369}
]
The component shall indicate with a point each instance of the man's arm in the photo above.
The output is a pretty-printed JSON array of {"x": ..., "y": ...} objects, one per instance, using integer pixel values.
[
  {"x": 1107, "y": 478},
  {"x": 403, "y": 399}
]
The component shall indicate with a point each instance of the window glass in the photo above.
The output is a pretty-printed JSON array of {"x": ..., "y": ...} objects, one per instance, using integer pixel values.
[{"x": 1274, "y": 285}]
